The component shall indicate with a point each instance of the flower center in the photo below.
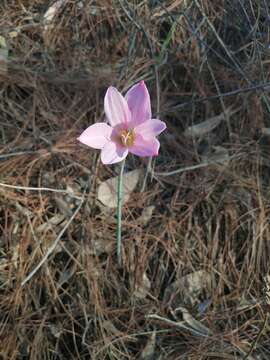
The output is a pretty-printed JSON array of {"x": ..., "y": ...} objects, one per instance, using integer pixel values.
[{"x": 127, "y": 137}]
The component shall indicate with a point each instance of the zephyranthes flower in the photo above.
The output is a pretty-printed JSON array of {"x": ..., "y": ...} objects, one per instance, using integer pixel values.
[{"x": 131, "y": 127}]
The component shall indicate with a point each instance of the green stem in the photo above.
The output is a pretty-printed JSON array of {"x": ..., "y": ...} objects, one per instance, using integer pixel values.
[{"x": 119, "y": 212}]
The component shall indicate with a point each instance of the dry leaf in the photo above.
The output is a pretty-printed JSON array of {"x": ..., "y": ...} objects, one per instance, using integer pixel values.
[
  {"x": 193, "y": 323},
  {"x": 49, "y": 17},
  {"x": 142, "y": 288},
  {"x": 3, "y": 43},
  {"x": 146, "y": 215},
  {"x": 110, "y": 329},
  {"x": 23, "y": 210},
  {"x": 107, "y": 190},
  {"x": 208, "y": 125},
  {"x": 80, "y": 5},
  {"x": 149, "y": 349},
  {"x": 13, "y": 34},
  {"x": 219, "y": 156},
  {"x": 56, "y": 330},
  {"x": 52, "y": 11},
  {"x": 101, "y": 244},
  {"x": 163, "y": 10},
  {"x": 63, "y": 206},
  {"x": 15, "y": 258},
  {"x": 266, "y": 131},
  {"x": 187, "y": 289},
  {"x": 53, "y": 221},
  {"x": 3, "y": 56},
  {"x": 182, "y": 325},
  {"x": 4, "y": 269}
]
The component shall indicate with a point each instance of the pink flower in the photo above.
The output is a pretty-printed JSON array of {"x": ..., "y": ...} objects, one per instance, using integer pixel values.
[{"x": 131, "y": 127}]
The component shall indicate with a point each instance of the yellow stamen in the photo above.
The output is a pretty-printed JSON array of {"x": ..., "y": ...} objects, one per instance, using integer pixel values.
[{"x": 127, "y": 137}]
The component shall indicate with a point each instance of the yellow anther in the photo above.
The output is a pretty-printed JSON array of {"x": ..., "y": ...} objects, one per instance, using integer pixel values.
[{"x": 127, "y": 137}]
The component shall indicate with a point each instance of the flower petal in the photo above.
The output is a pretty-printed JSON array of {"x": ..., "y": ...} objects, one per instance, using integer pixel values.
[
  {"x": 150, "y": 128},
  {"x": 96, "y": 136},
  {"x": 113, "y": 153},
  {"x": 116, "y": 107},
  {"x": 139, "y": 103},
  {"x": 145, "y": 147}
]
